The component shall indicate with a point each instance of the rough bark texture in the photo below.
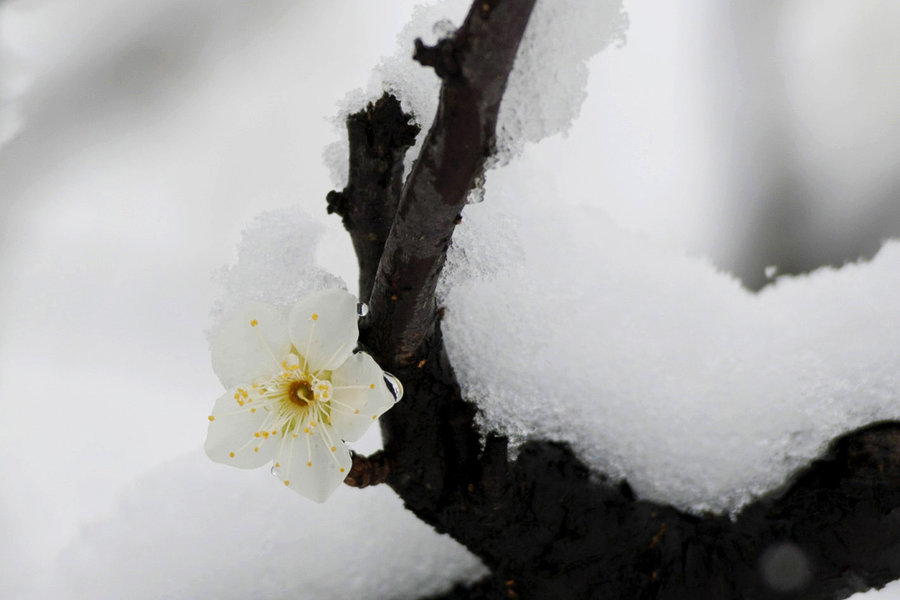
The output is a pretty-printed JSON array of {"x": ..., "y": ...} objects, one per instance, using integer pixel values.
[{"x": 544, "y": 525}]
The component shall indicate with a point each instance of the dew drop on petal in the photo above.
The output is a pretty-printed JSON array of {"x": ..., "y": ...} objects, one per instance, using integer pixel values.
[
  {"x": 394, "y": 385},
  {"x": 274, "y": 472},
  {"x": 362, "y": 309}
]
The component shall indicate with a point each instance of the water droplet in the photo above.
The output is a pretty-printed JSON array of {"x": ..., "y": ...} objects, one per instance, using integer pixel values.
[
  {"x": 394, "y": 385},
  {"x": 274, "y": 472},
  {"x": 785, "y": 567},
  {"x": 770, "y": 271},
  {"x": 362, "y": 309}
]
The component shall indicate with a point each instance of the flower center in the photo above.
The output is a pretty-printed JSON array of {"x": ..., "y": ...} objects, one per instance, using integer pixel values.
[{"x": 300, "y": 392}]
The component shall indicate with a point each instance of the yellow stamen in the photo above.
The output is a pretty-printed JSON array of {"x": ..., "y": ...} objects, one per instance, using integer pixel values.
[
  {"x": 211, "y": 418},
  {"x": 254, "y": 323}
]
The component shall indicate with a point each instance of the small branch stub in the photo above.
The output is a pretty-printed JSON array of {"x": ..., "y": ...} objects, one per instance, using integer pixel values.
[{"x": 368, "y": 470}]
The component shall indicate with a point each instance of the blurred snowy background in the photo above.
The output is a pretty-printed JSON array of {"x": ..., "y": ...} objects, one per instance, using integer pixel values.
[{"x": 138, "y": 139}]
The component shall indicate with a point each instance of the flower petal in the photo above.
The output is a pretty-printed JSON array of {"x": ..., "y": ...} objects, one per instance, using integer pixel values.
[
  {"x": 323, "y": 328},
  {"x": 231, "y": 438},
  {"x": 308, "y": 465},
  {"x": 242, "y": 351},
  {"x": 360, "y": 396}
]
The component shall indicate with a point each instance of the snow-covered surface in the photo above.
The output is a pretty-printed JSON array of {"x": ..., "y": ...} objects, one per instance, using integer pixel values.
[
  {"x": 655, "y": 366},
  {"x": 150, "y": 134},
  {"x": 197, "y": 530}
]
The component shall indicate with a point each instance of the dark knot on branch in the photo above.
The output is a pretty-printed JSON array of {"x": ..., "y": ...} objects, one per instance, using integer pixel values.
[{"x": 441, "y": 57}]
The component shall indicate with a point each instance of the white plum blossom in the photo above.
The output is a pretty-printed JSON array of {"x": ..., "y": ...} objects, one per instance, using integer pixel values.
[{"x": 296, "y": 391}]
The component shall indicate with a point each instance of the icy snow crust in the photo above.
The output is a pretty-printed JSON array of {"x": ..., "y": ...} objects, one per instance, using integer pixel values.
[
  {"x": 545, "y": 89},
  {"x": 198, "y": 530},
  {"x": 653, "y": 365}
]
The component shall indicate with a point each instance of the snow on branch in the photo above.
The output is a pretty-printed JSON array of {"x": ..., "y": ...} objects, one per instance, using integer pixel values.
[
  {"x": 474, "y": 65},
  {"x": 545, "y": 524}
]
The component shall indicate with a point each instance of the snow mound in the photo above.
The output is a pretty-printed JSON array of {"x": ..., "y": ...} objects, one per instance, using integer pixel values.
[
  {"x": 192, "y": 530},
  {"x": 276, "y": 263},
  {"x": 653, "y": 365}
]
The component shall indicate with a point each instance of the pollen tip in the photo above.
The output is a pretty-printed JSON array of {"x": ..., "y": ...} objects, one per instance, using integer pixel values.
[
  {"x": 256, "y": 449},
  {"x": 294, "y": 435},
  {"x": 277, "y": 465},
  {"x": 315, "y": 317},
  {"x": 309, "y": 464},
  {"x": 231, "y": 454},
  {"x": 342, "y": 469},
  {"x": 211, "y": 418},
  {"x": 287, "y": 482},
  {"x": 374, "y": 417},
  {"x": 254, "y": 323},
  {"x": 356, "y": 412},
  {"x": 253, "y": 410},
  {"x": 371, "y": 386},
  {"x": 334, "y": 448}
]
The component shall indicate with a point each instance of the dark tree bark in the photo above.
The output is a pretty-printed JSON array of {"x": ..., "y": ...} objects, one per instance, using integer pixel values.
[{"x": 543, "y": 524}]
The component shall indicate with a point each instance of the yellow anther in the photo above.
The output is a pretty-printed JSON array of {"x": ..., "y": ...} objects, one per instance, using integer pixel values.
[
  {"x": 242, "y": 392},
  {"x": 256, "y": 449},
  {"x": 237, "y": 396},
  {"x": 356, "y": 412},
  {"x": 313, "y": 423},
  {"x": 374, "y": 417},
  {"x": 254, "y": 323},
  {"x": 274, "y": 431},
  {"x": 256, "y": 434},
  {"x": 334, "y": 448},
  {"x": 231, "y": 454},
  {"x": 265, "y": 434},
  {"x": 277, "y": 465},
  {"x": 240, "y": 402},
  {"x": 287, "y": 482},
  {"x": 315, "y": 317},
  {"x": 294, "y": 435},
  {"x": 211, "y": 418},
  {"x": 342, "y": 469},
  {"x": 371, "y": 386},
  {"x": 253, "y": 410},
  {"x": 309, "y": 464},
  {"x": 306, "y": 430}
]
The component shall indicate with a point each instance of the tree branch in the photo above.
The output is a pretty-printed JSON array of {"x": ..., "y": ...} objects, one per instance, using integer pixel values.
[
  {"x": 379, "y": 137},
  {"x": 474, "y": 64},
  {"x": 543, "y": 524}
]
